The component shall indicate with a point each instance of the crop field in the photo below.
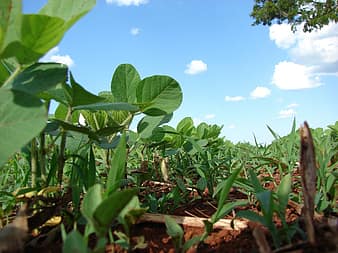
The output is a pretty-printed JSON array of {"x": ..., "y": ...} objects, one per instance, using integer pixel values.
[{"x": 81, "y": 180}]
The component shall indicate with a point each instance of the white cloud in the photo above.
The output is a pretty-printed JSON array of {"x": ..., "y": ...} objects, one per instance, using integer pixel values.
[
  {"x": 293, "y": 76},
  {"x": 234, "y": 99},
  {"x": 287, "y": 113},
  {"x": 53, "y": 56},
  {"x": 313, "y": 54},
  {"x": 209, "y": 116},
  {"x": 260, "y": 92},
  {"x": 196, "y": 67},
  {"x": 232, "y": 126},
  {"x": 293, "y": 105},
  {"x": 135, "y": 31},
  {"x": 127, "y": 2},
  {"x": 282, "y": 35}
]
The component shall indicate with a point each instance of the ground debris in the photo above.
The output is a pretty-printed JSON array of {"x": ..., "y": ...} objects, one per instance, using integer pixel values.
[{"x": 12, "y": 236}]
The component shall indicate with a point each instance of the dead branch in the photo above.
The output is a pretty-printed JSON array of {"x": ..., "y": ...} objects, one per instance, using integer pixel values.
[
  {"x": 193, "y": 221},
  {"x": 307, "y": 166}
]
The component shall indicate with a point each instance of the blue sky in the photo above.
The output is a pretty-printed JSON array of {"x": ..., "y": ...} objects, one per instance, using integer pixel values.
[{"x": 232, "y": 74}]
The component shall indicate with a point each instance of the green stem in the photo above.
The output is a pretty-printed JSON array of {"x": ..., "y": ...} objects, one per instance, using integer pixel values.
[
  {"x": 62, "y": 158},
  {"x": 34, "y": 162},
  {"x": 42, "y": 156},
  {"x": 12, "y": 76}
]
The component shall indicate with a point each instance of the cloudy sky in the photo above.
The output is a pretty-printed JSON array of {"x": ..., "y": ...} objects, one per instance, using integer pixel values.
[{"x": 232, "y": 74}]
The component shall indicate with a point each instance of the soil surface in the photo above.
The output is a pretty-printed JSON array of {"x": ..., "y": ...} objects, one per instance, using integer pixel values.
[
  {"x": 199, "y": 206},
  {"x": 220, "y": 240}
]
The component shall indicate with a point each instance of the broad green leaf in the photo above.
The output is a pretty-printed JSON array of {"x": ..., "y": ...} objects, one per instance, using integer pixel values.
[
  {"x": 39, "y": 34},
  {"x": 69, "y": 11},
  {"x": 75, "y": 243},
  {"x": 158, "y": 95},
  {"x": 39, "y": 77},
  {"x": 110, "y": 207},
  {"x": 61, "y": 113},
  {"x": 10, "y": 22},
  {"x": 59, "y": 94},
  {"x": 185, "y": 126},
  {"x": 147, "y": 124},
  {"x": 119, "y": 106},
  {"x": 121, "y": 116},
  {"x": 80, "y": 96},
  {"x": 91, "y": 201},
  {"x": 107, "y": 131},
  {"x": 201, "y": 130},
  {"x": 79, "y": 129},
  {"x": 22, "y": 117},
  {"x": 124, "y": 83},
  {"x": 117, "y": 170}
]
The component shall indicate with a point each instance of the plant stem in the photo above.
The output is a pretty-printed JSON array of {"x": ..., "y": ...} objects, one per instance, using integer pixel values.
[
  {"x": 42, "y": 153},
  {"x": 34, "y": 163},
  {"x": 62, "y": 158},
  {"x": 12, "y": 76}
]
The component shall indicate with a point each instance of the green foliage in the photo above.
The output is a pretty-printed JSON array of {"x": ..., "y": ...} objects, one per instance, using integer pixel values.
[
  {"x": 117, "y": 171},
  {"x": 314, "y": 14},
  {"x": 269, "y": 204},
  {"x": 24, "y": 38}
]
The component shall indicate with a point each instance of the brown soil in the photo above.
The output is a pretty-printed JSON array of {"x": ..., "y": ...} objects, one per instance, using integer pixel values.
[{"x": 221, "y": 240}]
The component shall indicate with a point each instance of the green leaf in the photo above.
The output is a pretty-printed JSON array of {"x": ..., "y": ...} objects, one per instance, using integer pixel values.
[
  {"x": 7, "y": 67},
  {"x": 69, "y": 11},
  {"x": 91, "y": 201},
  {"x": 79, "y": 129},
  {"x": 255, "y": 182},
  {"x": 226, "y": 208},
  {"x": 10, "y": 22},
  {"x": 80, "y": 96},
  {"x": 119, "y": 106},
  {"x": 147, "y": 124},
  {"x": 124, "y": 83},
  {"x": 91, "y": 168},
  {"x": 107, "y": 131},
  {"x": 265, "y": 199},
  {"x": 61, "y": 113},
  {"x": 158, "y": 95},
  {"x": 274, "y": 134},
  {"x": 185, "y": 126},
  {"x": 117, "y": 171},
  {"x": 173, "y": 229},
  {"x": 22, "y": 117},
  {"x": 110, "y": 207},
  {"x": 39, "y": 77},
  {"x": 59, "y": 94},
  {"x": 226, "y": 188},
  {"x": 74, "y": 243},
  {"x": 283, "y": 192},
  {"x": 201, "y": 184},
  {"x": 252, "y": 216},
  {"x": 39, "y": 34}
]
